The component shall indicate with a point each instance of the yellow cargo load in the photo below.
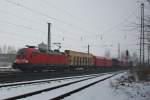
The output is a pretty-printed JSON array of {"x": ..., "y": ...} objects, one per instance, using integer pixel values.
[{"x": 79, "y": 58}]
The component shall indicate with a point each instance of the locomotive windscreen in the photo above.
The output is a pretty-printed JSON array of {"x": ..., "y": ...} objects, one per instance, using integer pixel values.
[{"x": 21, "y": 53}]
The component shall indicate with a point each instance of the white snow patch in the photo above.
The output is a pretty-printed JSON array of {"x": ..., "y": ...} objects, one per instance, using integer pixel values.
[
  {"x": 21, "y": 89},
  {"x": 110, "y": 90},
  {"x": 100, "y": 91},
  {"x": 51, "y": 94}
]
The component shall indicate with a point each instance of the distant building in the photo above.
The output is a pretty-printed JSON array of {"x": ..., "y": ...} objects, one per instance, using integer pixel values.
[{"x": 6, "y": 59}]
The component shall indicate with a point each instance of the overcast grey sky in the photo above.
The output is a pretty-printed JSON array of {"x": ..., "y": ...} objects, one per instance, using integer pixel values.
[{"x": 75, "y": 23}]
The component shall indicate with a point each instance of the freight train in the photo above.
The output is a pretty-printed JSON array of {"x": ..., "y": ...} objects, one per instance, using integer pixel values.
[{"x": 31, "y": 59}]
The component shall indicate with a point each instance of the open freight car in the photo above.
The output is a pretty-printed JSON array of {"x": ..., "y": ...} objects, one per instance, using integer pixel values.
[{"x": 80, "y": 60}]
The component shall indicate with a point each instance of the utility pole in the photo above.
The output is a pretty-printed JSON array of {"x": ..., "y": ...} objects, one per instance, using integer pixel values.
[
  {"x": 118, "y": 50},
  {"x": 88, "y": 48},
  {"x": 148, "y": 1},
  {"x": 127, "y": 55},
  {"x": 143, "y": 34},
  {"x": 148, "y": 53},
  {"x": 142, "y": 37},
  {"x": 49, "y": 38}
]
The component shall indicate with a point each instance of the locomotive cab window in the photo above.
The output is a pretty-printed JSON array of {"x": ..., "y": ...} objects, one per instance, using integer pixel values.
[{"x": 21, "y": 53}]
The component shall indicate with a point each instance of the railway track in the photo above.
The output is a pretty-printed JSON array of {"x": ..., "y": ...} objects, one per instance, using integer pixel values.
[
  {"x": 89, "y": 80},
  {"x": 20, "y": 76},
  {"x": 79, "y": 89},
  {"x": 44, "y": 80}
]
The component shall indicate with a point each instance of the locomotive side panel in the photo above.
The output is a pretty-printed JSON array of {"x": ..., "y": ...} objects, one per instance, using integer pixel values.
[{"x": 45, "y": 58}]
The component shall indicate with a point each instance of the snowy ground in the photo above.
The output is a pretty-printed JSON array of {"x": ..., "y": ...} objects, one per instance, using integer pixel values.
[
  {"x": 7, "y": 68},
  {"x": 21, "y": 89},
  {"x": 54, "y": 93},
  {"x": 115, "y": 88},
  {"x": 112, "y": 89},
  {"x": 5, "y": 65}
]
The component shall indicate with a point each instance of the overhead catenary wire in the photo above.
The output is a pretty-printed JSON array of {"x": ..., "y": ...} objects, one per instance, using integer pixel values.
[
  {"x": 122, "y": 22},
  {"x": 17, "y": 36},
  {"x": 125, "y": 20},
  {"x": 27, "y": 9},
  {"x": 23, "y": 26},
  {"x": 66, "y": 12},
  {"x": 71, "y": 37},
  {"x": 26, "y": 27},
  {"x": 20, "y": 17},
  {"x": 46, "y": 15},
  {"x": 40, "y": 13},
  {"x": 36, "y": 22}
]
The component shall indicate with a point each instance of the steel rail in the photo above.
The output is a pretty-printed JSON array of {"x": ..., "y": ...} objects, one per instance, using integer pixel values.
[
  {"x": 79, "y": 89},
  {"x": 47, "y": 89},
  {"x": 41, "y": 81}
]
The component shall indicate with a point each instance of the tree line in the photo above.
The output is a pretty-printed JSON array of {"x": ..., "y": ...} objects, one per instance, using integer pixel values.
[{"x": 7, "y": 49}]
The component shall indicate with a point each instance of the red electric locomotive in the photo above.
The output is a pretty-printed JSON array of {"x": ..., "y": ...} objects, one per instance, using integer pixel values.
[{"x": 31, "y": 59}]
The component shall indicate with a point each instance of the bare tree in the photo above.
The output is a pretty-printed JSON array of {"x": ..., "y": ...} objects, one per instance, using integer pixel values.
[
  {"x": 11, "y": 50},
  {"x": 4, "y": 49},
  {"x": 134, "y": 58},
  {"x": 107, "y": 53},
  {"x": 123, "y": 55},
  {"x": 1, "y": 50},
  {"x": 148, "y": 1}
]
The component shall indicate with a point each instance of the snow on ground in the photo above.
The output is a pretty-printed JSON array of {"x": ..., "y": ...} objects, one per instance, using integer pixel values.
[
  {"x": 115, "y": 88},
  {"x": 8, "y": 65},
  {"x": 111, "y": 89},
  {"x": 133, "y": 90},
  {"x": 4, "y": 68},
  {"x": 21, "y": 89},
  {"x": 51, "y": 94}
]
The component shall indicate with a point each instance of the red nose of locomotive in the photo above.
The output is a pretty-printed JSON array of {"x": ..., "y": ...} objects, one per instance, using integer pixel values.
[
  {"x": 21, "y": 61},
  {"x": 21, "y": 58}
]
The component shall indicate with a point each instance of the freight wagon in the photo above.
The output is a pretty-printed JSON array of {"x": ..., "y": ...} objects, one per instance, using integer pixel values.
[
  {"x": 79, "y": 60},
  {"x": 32, "y": 59}
]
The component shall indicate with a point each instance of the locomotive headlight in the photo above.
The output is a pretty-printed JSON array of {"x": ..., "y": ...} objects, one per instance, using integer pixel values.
[
  {"x": 26, "y": 61},
  {"x": 15, "y": 61},
  {"x": 21, "y": 61}
]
